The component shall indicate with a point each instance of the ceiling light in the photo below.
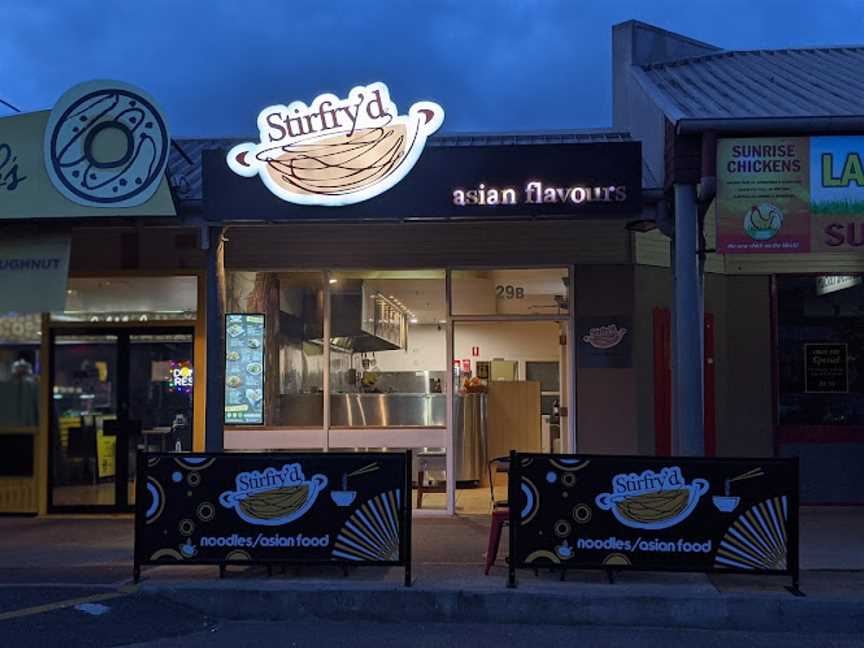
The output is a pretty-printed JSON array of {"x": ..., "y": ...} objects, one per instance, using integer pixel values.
[{"x": 333, "y": 280}]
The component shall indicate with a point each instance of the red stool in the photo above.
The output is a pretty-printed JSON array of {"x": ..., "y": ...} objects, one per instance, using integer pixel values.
[{"x": 500, "y": 517}]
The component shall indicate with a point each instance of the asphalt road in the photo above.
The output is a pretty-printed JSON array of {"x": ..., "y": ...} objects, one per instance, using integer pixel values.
[
  {"x": 361, "y": 635},
  {"x": 74, "y": 617}
]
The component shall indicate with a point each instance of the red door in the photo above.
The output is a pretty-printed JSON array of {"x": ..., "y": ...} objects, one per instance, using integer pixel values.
[{"x": 663, "y": 384}]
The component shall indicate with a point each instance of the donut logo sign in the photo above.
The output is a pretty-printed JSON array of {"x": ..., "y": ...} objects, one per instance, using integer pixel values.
[
  {"x": 335, "y": 151},
  {"x": 106, "y": 145}
]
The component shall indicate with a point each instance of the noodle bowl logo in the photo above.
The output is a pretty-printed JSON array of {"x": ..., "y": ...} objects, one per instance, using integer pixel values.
[
  {"x": 652, "y": 500},
  {"x": 605, "y": 337},
  {"x": 273, "y": 497},
  {"x": 336, "y": 151}
]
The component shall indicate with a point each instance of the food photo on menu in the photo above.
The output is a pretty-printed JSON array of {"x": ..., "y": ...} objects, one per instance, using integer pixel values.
[{"x": 244, "y": 369}]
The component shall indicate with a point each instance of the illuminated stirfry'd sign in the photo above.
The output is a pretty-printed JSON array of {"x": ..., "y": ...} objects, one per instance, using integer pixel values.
[{"x": 336, "y": 151}]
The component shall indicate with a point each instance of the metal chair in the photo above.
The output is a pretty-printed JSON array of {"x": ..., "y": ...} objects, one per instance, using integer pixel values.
[
  {"x": 500, "y": 465},
  {"x": 500, "y": 511},
  {"x": 82, "y": 449}
]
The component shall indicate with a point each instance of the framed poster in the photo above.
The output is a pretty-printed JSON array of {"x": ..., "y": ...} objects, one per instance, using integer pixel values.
[
  {"x": 244, "y": 369},
  {"x": 826, "y": 368},
  {"x": 483, "y": 369}
]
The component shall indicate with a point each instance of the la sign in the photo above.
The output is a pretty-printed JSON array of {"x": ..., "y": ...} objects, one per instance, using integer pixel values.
[{"x": 336, "y": 151}]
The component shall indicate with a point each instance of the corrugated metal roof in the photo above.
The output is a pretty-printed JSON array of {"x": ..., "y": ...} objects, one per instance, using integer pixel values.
[
  {"x": 824, "y": 82},
  {"x": 184, "y": 162}
]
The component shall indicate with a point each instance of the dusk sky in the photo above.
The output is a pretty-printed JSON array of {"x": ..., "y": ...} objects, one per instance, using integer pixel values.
[{"x": 494, "y": 65}]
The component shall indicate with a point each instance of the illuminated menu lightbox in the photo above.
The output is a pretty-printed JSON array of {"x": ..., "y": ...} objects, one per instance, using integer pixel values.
[{"x": 244, "y": 369}]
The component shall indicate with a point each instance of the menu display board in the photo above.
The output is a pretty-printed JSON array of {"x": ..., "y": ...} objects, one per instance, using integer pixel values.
[
  {"x": 244, "y": 369},
  {"x": 826, "y": 368},
  {"x": 674, "y": 513}
]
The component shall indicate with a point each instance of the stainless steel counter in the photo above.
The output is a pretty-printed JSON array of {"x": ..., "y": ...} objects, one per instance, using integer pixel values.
[
  {"x": 400, "y": 410},
  {"x": 366, "y": 410},
  {"x": 387, "y": 410}
]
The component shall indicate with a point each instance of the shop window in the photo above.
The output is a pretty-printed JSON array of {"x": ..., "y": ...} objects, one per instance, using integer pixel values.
[
  {"x": 16, "y": 455},
  {"x": 820, "y": 350},
  {"x": 293, "y": 306},
  {"x": 509, "y": 386},
  {"x": 20, "y": 369},
  {"x": 537, "y": 291},
  {"x": 130, "y": 299},
  {"x": 388, "y": 349},
  {"x": 548, "y": 375}
]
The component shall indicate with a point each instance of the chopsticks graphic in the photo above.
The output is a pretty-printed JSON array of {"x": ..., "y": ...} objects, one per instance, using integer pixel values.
[
  {"x": 365, "y": 469},
  {"x": 750, "y": 474},
  {"x": 756, "y": 472}
]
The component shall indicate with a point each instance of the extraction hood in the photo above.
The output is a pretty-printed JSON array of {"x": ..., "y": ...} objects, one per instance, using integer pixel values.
[{"x": 362, "y": 321}]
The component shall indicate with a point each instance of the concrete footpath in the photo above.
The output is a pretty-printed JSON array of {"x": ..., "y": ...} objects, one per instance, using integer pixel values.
[{"x": 449, "y": 585}]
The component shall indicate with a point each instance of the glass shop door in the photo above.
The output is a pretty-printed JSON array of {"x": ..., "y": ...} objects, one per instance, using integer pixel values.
[{"x": 115, "y": 391}]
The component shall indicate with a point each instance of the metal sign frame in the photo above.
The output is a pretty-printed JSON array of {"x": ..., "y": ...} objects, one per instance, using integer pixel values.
[
  {"x": 513, "y": 494},
  {"x": 139, "y": 558}
]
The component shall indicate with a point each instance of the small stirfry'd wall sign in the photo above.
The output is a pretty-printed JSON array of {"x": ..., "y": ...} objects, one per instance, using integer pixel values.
[{"x": 336, "y": 151}]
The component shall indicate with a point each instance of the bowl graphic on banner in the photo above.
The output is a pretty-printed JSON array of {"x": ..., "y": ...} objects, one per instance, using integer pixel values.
[
  {"x": 336, "y": 151},
  {"x": 652, "y": 500},
  {"x": 273, "y": 497}
]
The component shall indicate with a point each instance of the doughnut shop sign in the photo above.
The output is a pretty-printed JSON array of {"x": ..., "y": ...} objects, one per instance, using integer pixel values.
[
  {"x": 101, "y": 151},
  {"x": 336, "y": 151},
  {"x": 33, "y": 274}
]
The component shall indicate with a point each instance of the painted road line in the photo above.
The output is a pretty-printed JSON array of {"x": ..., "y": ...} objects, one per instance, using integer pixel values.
[
  {"x": 111, "y": 587},
  {"x": 59, "y": 605}
]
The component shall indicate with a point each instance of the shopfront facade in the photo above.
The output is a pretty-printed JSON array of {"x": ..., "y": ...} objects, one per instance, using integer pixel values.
[
  {"x": 439, "y": 315},
  {"x": 101, "y": 334},
  {"x": 481, "y": 268},
  {"x": 775, "y": 173}
]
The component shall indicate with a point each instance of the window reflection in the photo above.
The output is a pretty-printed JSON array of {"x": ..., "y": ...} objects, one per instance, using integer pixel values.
[
  {"x": 293, "y": 303},
  {"x": 388, "y": 349},
  {"x": 534, "y": 291},
  {"x": 820, "y": 351},
  {"x": 19, "y": 371}
]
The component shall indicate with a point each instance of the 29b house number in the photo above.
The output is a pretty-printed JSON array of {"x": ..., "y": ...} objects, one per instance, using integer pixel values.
[{"x": 509, "y": 291}]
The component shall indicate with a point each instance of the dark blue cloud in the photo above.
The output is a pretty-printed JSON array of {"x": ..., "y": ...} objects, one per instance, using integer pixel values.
[{"x": 499, "y": 65}]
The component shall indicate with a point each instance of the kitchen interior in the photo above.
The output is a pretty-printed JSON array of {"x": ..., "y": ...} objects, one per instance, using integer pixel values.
[{"x": 388, "y": 365}]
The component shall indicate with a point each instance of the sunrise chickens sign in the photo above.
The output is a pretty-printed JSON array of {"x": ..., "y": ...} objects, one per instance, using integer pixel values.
[
  {"x": 336, "y": 151},
  {"x": 790, "y": 194}
]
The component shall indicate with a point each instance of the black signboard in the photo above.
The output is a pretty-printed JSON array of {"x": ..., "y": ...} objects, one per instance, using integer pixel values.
[
  {"x": 299, "y": 508},
  {"x": 572, "y": 180},
  {"x": 826, "y": 368},
  {"x": 658, "y": 514},
  {"x": 244, "y": 369},
  {"x": 604, "y": 342}
]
